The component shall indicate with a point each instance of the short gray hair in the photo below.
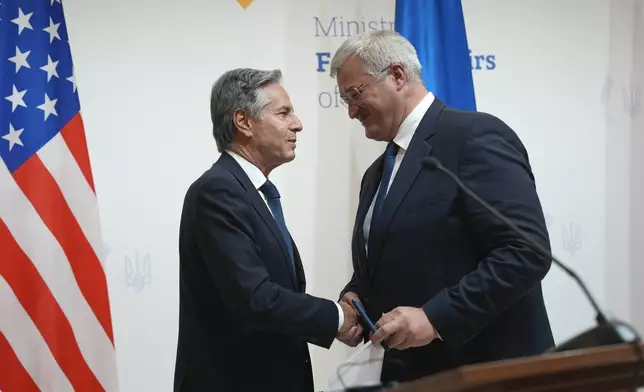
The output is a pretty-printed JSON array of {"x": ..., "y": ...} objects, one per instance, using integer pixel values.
[
  {"x": 241, "y": 88},
  {"x": 378, "y": 50}
]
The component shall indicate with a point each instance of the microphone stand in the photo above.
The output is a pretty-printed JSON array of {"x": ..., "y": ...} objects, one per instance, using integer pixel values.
[{"x": 606, "y": 332}]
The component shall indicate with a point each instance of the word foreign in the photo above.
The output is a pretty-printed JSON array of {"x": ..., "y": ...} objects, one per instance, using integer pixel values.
[{"x": 477, "y": 62}]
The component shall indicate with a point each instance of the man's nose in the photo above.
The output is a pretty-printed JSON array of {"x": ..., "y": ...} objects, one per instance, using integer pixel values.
[
  {"x": 297, "y": 125},
  {"x": 353, "y": 110}
]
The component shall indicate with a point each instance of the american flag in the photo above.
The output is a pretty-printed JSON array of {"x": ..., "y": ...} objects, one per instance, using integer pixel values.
[{"x": 55, "y": 322}]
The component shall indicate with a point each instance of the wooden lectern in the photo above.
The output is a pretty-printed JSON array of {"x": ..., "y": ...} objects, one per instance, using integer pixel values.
[{"x": 607, "y": 368}]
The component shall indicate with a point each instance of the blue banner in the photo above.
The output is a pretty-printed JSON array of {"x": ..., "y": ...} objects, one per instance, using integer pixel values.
[{"x": 436, "y": 28}]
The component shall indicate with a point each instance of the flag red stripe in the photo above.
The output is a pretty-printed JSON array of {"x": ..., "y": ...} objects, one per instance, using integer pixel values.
[
  {"x": 41, "y": 306},
  {"x": 38, "y": 185},
  {"x": 74, "y": 135},
  {"x": 16, "y": 378}
]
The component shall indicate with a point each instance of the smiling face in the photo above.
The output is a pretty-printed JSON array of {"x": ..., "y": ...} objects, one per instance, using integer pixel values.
[
  {"x": 273, "y": 135},
  {"x": 378, "y": 105}
]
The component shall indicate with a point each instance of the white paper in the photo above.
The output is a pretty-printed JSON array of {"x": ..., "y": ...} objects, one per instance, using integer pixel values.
[{"x": 363, "y": 368}]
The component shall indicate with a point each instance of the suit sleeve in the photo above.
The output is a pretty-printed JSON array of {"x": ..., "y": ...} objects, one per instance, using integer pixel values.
[
  {"x": 495, "y": 165},
  {"x": 351, "y": 286},
  {"x": 226, "y": 241}
]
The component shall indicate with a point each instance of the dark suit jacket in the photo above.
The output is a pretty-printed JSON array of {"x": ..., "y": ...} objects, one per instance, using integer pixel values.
[
  {"x": 435, "y": 248},
  {"x": 244, "y": 317}
]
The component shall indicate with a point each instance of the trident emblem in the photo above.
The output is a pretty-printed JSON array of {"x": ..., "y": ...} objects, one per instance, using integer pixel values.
[
  {"x": 137, "y": 271},
  {"x": 632, "y": 101},
  {"x": 572, "y": 238}
]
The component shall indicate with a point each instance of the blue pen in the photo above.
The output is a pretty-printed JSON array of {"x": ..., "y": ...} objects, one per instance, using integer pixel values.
[{"x": 366, "y": 318}]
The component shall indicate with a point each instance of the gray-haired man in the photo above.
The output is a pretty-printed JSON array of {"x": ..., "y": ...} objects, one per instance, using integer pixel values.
[
  {"x": 245, "y": 319},
  {"x": 446, "y": 282}
]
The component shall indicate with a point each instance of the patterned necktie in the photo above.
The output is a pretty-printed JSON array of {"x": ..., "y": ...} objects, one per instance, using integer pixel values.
[
  {"x": 389, "y": 160},
  {"x": 273, "y": 200}
]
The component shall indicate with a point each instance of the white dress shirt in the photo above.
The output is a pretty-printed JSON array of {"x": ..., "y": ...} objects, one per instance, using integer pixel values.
[
  {"x": 402, "y": 139},
  {"x": 257, "y": 178}
]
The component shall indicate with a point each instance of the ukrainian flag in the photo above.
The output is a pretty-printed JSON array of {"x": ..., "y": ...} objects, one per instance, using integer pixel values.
[{"x": 436, "y": 28}]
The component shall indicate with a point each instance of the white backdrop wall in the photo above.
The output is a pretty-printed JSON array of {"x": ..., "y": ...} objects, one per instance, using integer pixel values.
[{"x": 566, "y": 76}]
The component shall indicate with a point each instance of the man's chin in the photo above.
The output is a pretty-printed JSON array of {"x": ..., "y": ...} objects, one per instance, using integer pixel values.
[
  {"x": 290, "y": 156},
  {"x": 373, "y": 134}
]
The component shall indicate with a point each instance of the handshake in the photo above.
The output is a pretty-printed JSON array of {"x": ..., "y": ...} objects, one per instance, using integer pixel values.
[
  {"x": 401, "y": 328},
  {"x": 351, "y": 332}
]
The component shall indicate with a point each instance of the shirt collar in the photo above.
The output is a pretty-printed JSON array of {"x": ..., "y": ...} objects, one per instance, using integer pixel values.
[
  {"x": 410, "y": 123},
  {"x": 257, "y": 178}
]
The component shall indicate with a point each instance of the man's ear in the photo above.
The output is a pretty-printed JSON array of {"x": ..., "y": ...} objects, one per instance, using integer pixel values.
[
  {"x": 243, "y": 122},
  {"x": 399, "y": 74}
]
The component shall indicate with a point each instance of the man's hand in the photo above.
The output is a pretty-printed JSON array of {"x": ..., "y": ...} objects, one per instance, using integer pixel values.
[
  {"x": 404, "y": 327},
  {"x": 351, "y": 331},
  {"x": 350, "y": 296}
]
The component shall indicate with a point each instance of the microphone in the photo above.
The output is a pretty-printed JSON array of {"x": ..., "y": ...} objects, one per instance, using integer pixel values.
[{"x": 606, "y": 332}]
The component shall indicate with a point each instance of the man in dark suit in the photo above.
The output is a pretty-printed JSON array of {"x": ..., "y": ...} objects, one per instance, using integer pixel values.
[
  {"x": 447, "y": 282},
  {"x": 245, "y": 319}
]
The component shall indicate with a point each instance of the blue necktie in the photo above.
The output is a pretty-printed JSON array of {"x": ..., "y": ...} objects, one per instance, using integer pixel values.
[
  {"x": 390, "y": 159},
  {"x": 273, "y": 200}
]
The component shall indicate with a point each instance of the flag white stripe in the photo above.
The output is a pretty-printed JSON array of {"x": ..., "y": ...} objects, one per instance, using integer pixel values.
[
  {"x": 28, "y": 344},
  {"x": 48, "y": 257},
  {"x": 80, "y": 198}
]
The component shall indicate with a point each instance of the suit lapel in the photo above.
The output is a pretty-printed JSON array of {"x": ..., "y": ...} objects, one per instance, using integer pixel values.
[
  {"x": 299, "y": 270},
  {"x": 409, "y": 169},
  {"x": 368, "y": 193},
  {"x": 260, "y": 206},
  {"x": 263, "y": 211}
]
